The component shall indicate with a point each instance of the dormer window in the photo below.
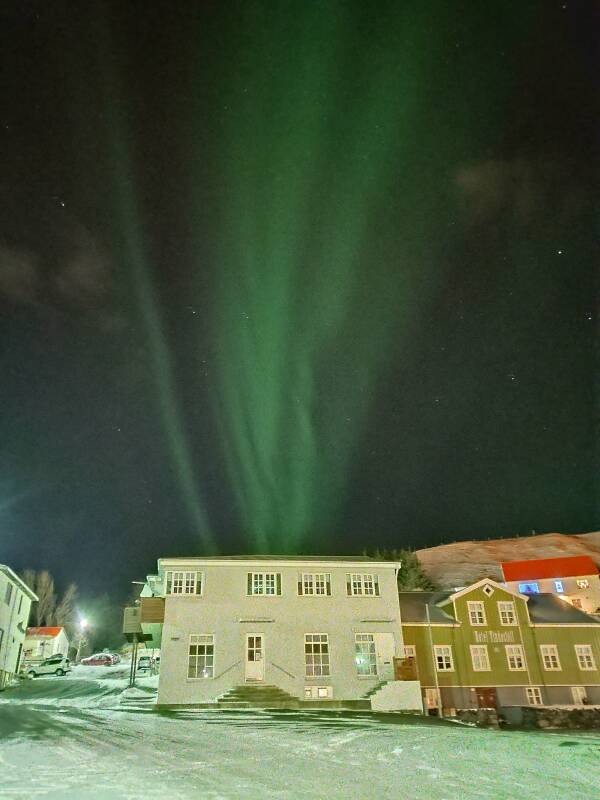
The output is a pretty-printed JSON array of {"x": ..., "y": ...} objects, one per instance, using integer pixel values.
[{"x": 188, "y": 583}]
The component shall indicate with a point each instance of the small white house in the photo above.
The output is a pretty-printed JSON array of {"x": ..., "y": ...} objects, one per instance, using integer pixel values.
[
  {"x": 575, "y": 579},
  {"x": 282, "y": 631},
  {"x": 41, "y": 643},
  {"x": 15, "y": 604}
]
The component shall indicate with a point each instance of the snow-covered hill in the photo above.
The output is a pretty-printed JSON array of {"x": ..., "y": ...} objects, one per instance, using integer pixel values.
[{"x": 461, "y": 563}]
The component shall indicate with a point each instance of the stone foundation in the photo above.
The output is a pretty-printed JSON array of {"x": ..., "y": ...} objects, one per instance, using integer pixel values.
[{"x": 566, "y": 717}]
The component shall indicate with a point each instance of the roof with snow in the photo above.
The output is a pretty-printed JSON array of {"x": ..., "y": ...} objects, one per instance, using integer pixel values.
[
  {"x": 537, "y": 569},
  {"x": 51, "y": 632},
  {"x": 543, "y": 609},
  {"x": 14, "y": 578}
]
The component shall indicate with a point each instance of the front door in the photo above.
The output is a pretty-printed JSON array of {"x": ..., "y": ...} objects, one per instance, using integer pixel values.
[
  {"x": 486, "y": 697},
  {"x": 579, "y": 695},
  {"x": 255, "y": 657},
  {"x": 431, "y": 699},
  {"x": 384, "y": 650}
]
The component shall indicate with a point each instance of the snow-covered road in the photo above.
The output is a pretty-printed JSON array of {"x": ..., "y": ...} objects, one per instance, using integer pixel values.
[{"x": 73, "y": 739}]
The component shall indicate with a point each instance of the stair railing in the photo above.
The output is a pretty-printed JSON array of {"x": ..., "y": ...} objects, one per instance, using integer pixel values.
[
  {"x": 225, "y": 671},
  {"x": 273, "y": 664}
]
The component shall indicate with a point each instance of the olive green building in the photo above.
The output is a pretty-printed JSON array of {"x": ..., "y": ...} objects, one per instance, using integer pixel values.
[{"x": 489, "y": 646}]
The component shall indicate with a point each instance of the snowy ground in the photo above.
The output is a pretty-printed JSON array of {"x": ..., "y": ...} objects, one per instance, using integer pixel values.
[{"x": 82, "y": 737}]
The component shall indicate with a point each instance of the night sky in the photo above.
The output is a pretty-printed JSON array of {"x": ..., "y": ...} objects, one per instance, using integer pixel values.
[{"x": 301, "y": 277}]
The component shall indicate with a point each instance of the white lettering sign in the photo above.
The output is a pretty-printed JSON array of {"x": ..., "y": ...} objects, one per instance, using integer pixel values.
[{"x": 494, "y": 636}]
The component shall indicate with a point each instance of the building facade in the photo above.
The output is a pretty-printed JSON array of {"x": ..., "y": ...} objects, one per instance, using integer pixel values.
[
  {"x": 15, "y": 604},
  {"x": 489, "y": 646},
  {"x": 314, "y": 629},
  {"x": 575, "y": 579},
  {"x": 41, "y": 643}
]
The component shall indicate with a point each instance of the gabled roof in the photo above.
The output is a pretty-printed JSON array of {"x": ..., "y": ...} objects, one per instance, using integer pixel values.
[
  {"x": 482, "y": 582},
  {"x": 413, "y": 608},
  {"x": 51, "y": 631},
  {"x": 14, "y": 578},
  {"x": 538, "y": 569},
  {"x": 546, "y": 608}
]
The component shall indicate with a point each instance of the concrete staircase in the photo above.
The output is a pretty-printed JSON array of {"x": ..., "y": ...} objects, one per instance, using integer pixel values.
[{"x": 257, "y": 696}]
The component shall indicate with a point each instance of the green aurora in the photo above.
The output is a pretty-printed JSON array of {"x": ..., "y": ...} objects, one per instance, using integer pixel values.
[{"x": 328, "y": 239}]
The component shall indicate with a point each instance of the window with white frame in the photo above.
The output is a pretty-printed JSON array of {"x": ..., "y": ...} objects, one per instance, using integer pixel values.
[
  {"x": 550, "y": 657},
  {"x": 576, "y": 602},
  {"x": 480, "y": 658},
  {"x": 585, "y": 657},
  {"x": 365, "y": 654},
  {"x": 201, "y": 656},
  {"x": 316, "y": 654},
  {"x": 476, "y": 612},
  {"x": 558, "y": 585},
  {"x": 534, "y": 695},
  {"x": 443, "y": 658},
  {"x": 515, "y": 657},
  {"x": 362, "y": 585},
  {"x": 410, "y": 651},
  {"x": 506, "y": 612},
  {"x": 183, "y": 582},
  {"x": 583, "y": 583},
  {"x": 264, "y": 583},
  {"x": 314, "y": 584}
]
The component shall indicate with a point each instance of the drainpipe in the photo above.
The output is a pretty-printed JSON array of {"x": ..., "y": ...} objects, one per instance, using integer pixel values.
[{"x": 434, "y": 664}]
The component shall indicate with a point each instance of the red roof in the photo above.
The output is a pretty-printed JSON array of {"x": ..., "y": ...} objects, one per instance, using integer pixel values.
[
  {"x": 537, "y": 569},
  {"x": 52, "y": 632}
]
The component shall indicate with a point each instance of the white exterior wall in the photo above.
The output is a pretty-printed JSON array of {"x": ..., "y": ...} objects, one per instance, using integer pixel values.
[
  {"x": 13, "y": 623},
  {"x": 229, "y": 614},
  {"x": 590, "y": 597},
  {"x": 38, "y": 648}
]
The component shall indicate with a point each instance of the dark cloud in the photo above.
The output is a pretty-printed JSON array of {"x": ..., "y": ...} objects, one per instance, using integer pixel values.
[
  {"x": 50, "y": 260},
  {"x": 531, "y": 190}
]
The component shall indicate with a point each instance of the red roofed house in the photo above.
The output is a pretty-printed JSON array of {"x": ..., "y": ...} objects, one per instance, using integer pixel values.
[
  {"x": 573, "y": 578},
  {"x": 41, "y": 643}
]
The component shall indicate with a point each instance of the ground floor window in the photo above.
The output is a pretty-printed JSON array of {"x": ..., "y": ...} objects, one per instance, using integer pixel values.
[
  {"x": 201, "y": 656},
  {"x": 316, "y": 654},
  {"x": 585, "y": 657},
  {"x": 480, "y": 658},
  {"x": 515, "y": 657},
  {"x": 534, "y": 695},
  {"x": 550, "y": 657},
  {"x": 365, "y": 654},
  {"x": 443, "y": 658}
]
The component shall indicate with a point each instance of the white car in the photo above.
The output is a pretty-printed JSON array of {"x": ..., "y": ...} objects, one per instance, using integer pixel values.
[{"x": 56, "y": 665}]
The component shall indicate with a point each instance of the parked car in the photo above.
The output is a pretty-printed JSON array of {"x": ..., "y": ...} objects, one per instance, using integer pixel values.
[
  {"x": 145, "y": 663},
  {"x": 116, "y": 658},
  {"x": 55, "y": 665},
  {"x": 98, "y": 660}
]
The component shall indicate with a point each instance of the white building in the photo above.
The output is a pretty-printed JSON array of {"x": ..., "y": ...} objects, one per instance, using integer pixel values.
[
  {"x": 575, "y": 579},
  {"x": 41, "y": 643},
  {"x": 288, "y": 631},
  {"x": 15, "y": 603}
]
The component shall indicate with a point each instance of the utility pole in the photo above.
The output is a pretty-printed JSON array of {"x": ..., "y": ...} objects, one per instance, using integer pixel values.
[{"x": 434, "y": 663}]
